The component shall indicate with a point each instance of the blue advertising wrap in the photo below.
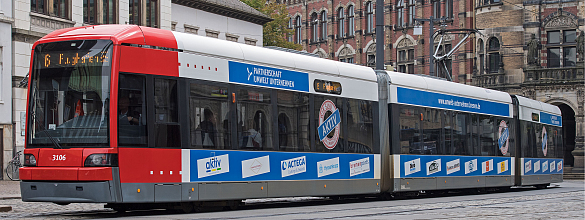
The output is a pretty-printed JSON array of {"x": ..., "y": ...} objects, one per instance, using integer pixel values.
[
  {"x": 267, "y": 76},
  {"x": 539, "y": 166},
  {"x": 449, "y": 166},
  {"x": 223, "y": 166},
  {"x": 437, "y": 100},
  {"x": 551, "y": 119}
]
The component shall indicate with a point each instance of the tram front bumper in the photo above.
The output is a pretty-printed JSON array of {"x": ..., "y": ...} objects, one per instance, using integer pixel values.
[{"x": 67, "y": 192}]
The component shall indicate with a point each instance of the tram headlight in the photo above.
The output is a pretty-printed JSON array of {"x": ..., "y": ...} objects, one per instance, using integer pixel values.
[
  {"x": 30, "y": 160},
  {"x": 101, "y": 160}
]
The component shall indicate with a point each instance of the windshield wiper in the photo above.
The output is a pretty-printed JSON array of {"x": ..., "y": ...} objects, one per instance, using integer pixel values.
[{"x": 57, "y": 145}]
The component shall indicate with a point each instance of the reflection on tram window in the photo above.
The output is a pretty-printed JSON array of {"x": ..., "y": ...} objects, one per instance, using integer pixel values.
[
  {"x": 486, "y": 137},
  {"x": 461, "y": 134},
  {"x": 431, "y": 124},
  {"x": 360, "y": 126},
  {"x": 209, "y": 117},
  {"x": 167, "y": 128},
  {"x": 293, "y": 121},
  {"x": 131, "y": 111},
  {"x": 254, "y": 113},
  {"x": 448, "y": 131},
  {"x": 410, "y": 118}
]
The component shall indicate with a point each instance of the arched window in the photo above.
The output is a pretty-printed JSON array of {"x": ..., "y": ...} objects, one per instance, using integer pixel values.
[
  {"x": 323, "y": 25},
  {"x": 298, "y": 30},
  {"x": 436, "y": 8},
  {"x": 315, "y": 27},
  {"x": 494, "y": 54},
  {"x": 405, "y": 55},
  {"x": 290, "y": 26},
  {"x": 350, "y": 21},
  {"x": 369, "y": 17},
  {"x": 481, "y": 52},
  {"x": 340, "y": 22},
  {"x": 449, "y": 8}
]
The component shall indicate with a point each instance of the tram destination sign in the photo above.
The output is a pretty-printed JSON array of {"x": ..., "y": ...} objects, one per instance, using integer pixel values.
[{"x": 268, "y": 76}]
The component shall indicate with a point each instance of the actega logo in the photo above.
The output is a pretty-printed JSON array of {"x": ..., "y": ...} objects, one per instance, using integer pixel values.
[
  {"x": 293, "y": 166},
  {"x": 213, "y": 164}
]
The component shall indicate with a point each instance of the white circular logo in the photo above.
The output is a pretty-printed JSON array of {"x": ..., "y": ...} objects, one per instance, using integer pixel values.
[{"x": 329, "y": 106}]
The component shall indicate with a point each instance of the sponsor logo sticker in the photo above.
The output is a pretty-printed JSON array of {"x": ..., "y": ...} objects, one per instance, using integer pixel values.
[
  {"x": 329, "y": 124},
  {"x": 545, "y": 166},
  {"x": 293, "y": 166},
  {"x": 328, "y": 167},
  {"x": 527, "y": 166},
  {"x": 471, "y": 166},
  {"x": 255, "y": 166},
  {"x": 552, "y": 166},
  {"x": 411, "y": 167},
  {"x": 213, "y": 165},
  {"x": 502, "y": 166},
  {"x": 536, "y": 166},
  {"x": 453, "y": 166},
  {"x": 433, "y": 166},
  {"x": 559, "y": 166},
  {"x": 360, "y": 166},
  {"x": 503, "y": 134},
  {"x": 487, "y": 166}
]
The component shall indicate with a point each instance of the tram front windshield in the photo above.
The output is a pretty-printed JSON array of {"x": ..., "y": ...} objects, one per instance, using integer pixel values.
[{"x": 69, "y": 94}]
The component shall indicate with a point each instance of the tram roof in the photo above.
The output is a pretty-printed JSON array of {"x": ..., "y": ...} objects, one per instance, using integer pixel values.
[
  {"x": 538, "y": 105},
  {"x": 280, "y": 59},
  {"x": 447, "y": 87}
]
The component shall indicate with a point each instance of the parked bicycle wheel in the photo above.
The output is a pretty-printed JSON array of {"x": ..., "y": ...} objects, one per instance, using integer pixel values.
[{"x": 12, "y": 171}]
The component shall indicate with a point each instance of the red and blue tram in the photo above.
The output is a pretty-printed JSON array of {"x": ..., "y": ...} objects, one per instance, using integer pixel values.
[{"x": 131, "y": 115}]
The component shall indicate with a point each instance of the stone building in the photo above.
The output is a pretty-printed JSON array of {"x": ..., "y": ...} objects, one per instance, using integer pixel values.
[
  {"x": 223, "y": 19},
  {"x": 548, "y": 68},
  {"x": 535, "y": 49}
]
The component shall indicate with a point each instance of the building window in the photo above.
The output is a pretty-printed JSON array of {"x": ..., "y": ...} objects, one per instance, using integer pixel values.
[
  {"x": 148, "y": 18},
  {"x": 323, "y": 25},
  {"x": 440, "y": 68},
  {"x": 481, "y": 56},
  {"x": 561, "y": 48},
  {"x": 400, "y": 13},
  {"x": 494, "y": 55},
  {"x": 340, "y": 23},
  {"x": 250, "y": 41},
  {"x": 347, "y": 60},
  {"x": 350, "y": 21},
  {"x": 290, "y": 26},
  {"x": 411, "y": 12},
  {"x": 436, "y": 8},
  {"x": 406, "y": 60},
  {"x": 449, "y": 8},
  {"x": 488, "y": 2},
  {"x": 173, "y": 25},
  {"x": 315, "y": 27},
  {"x": 298, "y": 30},
  {"x": 369, "y": 17},
  {"x": 92, "y": 11},
  {"x": 56, "y": 8}
]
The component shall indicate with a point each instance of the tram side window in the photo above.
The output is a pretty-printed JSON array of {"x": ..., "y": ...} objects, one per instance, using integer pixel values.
[
  {"x": 474, "y": 135},
  {"x": 486, "y": 136},
  {"x": 254, "y": 112},
  {"x": 360, "y": 126},
  {"x": 431, "y": 138},
  {"x": 293, "y": 121},
  {"x": 132, "y": 111},
  {"x": 330, "y": 138},
  {"x": 528, "y": 139},
  {"x": 209, "y": 117},
  {"x": 559, "y": 142},
  {"x": 539, "y": 131},
  {"x": 550, "y": 142},
  {"x": 410, "y": 136},
  {"x": 448, "y": 130},
  {"x": 167, "y": 128},
  {"x": 461, "y": 134}
]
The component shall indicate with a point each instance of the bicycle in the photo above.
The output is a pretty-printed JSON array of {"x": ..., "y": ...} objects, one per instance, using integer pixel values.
[{"x": 13, "y": 165}]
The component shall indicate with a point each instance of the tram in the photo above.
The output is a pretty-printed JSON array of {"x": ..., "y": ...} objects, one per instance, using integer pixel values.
[{"x": 135, "y": 116}]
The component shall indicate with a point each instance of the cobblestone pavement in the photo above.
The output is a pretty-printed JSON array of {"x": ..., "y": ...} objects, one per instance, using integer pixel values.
[
  {"x": 9, "y": 189},
  {"x": 564, "y": 201}
]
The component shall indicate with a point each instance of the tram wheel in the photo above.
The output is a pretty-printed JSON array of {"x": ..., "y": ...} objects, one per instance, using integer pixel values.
[{"x": 187, "y": 207}]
